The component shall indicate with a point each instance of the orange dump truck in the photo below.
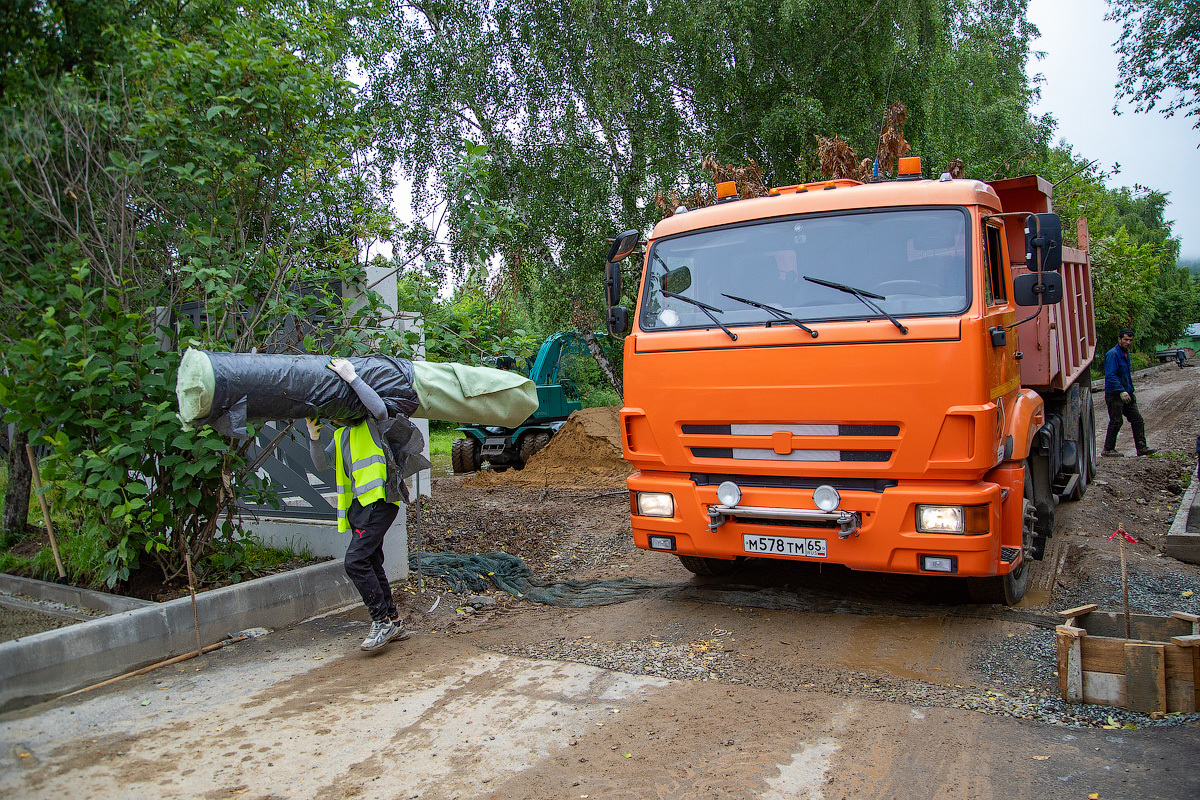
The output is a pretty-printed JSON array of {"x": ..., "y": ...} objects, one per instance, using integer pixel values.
[{"x": 890, "y": 376}]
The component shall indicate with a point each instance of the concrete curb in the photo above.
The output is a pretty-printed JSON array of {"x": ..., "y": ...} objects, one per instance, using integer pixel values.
[
  {"x": 70, "y": 595},
  {"x": 48, "y": 664}
]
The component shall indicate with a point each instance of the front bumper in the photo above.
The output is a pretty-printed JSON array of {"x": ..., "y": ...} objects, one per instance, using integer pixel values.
[{"x": 878, "y": 530}]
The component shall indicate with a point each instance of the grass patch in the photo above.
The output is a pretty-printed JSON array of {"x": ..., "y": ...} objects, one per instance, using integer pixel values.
[{"x": 441, "y": 437}]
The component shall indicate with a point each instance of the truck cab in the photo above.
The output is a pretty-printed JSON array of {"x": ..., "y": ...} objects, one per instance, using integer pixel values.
[{"x": 834, "y": 373}]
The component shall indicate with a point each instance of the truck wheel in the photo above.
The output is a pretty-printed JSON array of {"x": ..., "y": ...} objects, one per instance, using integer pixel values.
[
  {"x": 1087, "y": 448},
  {"x": 1010, "y": 589},
  {"x": 464, "y": 456},
  {"x": 709, "y": 567},
  {"x": 533, "y": 442}
]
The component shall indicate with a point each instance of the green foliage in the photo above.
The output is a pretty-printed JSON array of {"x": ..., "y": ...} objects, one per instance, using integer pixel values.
[
  {"x": 589, "y": 380},
  {"x": 1136, "y": 280},
  {"x": 574, "y": 103},
  {"x": 228, "y": 169},
  {"x": 1160, "y": 54},
  {"x": 1123, "y": 279},
  {"x": 470, "y": 327},
  {"x": 588, "y": 110}
]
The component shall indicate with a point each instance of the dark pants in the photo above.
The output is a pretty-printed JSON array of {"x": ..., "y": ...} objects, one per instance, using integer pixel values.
[
  {"x": 1117, "y": 409},
  {"x": 364, "y": 556}
]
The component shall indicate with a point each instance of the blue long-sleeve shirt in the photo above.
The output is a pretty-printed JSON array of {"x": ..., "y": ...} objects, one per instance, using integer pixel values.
[{"x": 1117, "y": 374}]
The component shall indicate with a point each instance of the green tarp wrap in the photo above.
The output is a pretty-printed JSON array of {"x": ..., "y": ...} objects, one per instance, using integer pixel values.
[
  {"x": 194, "y": 386},
  {"x": 485, "y": 396}
]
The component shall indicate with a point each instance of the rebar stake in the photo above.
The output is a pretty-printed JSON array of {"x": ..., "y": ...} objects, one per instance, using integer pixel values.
[
  {"x": 187, "y": 559},
  {"x": 1124, "y": 580}
]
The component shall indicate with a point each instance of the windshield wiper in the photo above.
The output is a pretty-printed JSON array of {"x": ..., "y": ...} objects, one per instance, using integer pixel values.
[
  {"x": 861, "y": 295},
  {"x": 706, "y": 308},
  {"x": 778, "y": 314}
]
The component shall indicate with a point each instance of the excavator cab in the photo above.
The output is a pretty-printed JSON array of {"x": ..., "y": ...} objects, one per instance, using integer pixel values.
[{"x": 502, "y": 448}]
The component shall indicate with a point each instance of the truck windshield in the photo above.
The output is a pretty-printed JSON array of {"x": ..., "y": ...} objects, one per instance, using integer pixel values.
[{"x": 915, "y": 259}]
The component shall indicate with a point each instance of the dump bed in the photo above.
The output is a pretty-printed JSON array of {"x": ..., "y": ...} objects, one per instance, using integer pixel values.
[{"x": 1058, "y": 344}]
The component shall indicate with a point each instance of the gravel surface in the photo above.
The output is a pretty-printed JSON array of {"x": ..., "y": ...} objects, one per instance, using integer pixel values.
[{"x": 17, "y": 624}]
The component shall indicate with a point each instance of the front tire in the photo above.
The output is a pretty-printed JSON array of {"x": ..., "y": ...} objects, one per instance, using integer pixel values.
[
  {"x": 532, "y": 442},
  {"x": 464, "y": 456},
  {"x": 709, "y": 567}
]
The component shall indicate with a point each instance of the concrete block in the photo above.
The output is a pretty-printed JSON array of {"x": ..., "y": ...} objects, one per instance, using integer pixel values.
[
  {"x": 1183, "y": 546},
  {"x": 54, "y": 662},
  {"x": 321, "y": 539}
]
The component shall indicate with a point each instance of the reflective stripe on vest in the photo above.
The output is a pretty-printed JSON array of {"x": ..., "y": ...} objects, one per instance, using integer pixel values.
[{"x": 364, "y": 480}]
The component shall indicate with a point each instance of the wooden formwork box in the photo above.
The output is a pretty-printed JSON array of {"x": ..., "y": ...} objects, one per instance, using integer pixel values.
[{"x": 1155, "y": 669}]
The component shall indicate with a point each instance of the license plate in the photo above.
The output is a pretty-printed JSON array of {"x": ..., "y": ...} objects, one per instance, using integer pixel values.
[{"x": 784, "y": 546}]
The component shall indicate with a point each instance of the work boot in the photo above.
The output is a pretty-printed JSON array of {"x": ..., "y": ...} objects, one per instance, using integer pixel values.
[
  {"x": 1147, "y": 451},
  {"x": 1112, "y": 454}
]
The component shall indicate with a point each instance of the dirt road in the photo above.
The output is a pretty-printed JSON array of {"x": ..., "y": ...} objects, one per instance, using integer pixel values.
[{"x": 785, "y": 681}]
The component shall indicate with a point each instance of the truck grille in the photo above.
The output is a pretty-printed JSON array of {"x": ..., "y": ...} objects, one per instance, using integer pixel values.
[
  {"x": 799, "y": 430},
  {"x": 765, "y": 454},
  {"x": 763, "y": 438}
]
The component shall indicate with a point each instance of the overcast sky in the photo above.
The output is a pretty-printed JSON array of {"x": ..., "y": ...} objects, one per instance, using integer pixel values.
[{"x": 1080, "y": 70}]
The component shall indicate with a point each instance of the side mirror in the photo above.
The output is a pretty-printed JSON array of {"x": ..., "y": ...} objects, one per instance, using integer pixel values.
[
  {"x": 624, "y": 244},
  {"x": 1043, "y": 242},
  {"x": 612, "y": 283},
  {"x": 618, "y": 320},
  {"x": 677, "y": 281},
  {"x": 1028, "y": 288}
]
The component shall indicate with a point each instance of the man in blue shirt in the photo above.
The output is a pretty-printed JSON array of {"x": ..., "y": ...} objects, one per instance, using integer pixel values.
[{"x": 1120, "y": 399}]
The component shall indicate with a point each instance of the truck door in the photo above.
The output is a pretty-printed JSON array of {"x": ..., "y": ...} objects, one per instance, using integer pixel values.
[{"x": 1003, "y": 374}]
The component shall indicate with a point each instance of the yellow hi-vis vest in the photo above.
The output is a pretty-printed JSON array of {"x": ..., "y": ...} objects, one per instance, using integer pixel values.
[{"x": 368, "y": 470}]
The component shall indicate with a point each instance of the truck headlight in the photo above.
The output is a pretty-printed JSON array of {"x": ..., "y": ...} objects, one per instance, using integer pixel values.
[
  {"x": 655, "y": 504},
  {"x": 952, "y": 519}
]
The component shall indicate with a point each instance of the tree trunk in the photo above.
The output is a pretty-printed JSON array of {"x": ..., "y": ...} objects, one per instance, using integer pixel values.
[
  {"x": 16, "y": 498},
  {"x": 597, "y": 352}
]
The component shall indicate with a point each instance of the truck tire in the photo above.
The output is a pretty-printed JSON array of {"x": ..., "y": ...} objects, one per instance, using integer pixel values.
[
  {"x": 709, "y": 567},
  {"x": 532, "y": 442},
  {"x": 1087, "y": 447},
  {"x": 464, "y": 456},
  {"x": 1010, "y": 589}
]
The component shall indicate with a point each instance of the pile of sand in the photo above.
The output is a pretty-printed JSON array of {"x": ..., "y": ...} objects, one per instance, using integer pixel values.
[{"x": 586, "y": 450}]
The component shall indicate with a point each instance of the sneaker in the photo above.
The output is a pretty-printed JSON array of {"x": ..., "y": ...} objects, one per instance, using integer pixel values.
[
  {"x": 1112, "y": 454},
  {"x": 1149, "y": 451},
  {"x": 381, "y": 633}
]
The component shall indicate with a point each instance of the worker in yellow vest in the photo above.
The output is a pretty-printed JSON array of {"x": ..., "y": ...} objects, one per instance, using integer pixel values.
[{"x": 369, "y": 487}]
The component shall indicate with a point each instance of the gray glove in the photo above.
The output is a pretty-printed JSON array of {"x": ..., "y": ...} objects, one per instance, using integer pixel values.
[{"x": 1126, "y": 398}]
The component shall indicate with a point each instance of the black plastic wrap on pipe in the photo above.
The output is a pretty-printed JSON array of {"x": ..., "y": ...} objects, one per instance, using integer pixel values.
[{"x": 256, "y": 387}]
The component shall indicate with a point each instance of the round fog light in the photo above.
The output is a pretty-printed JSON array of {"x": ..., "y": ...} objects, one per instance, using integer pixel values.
[
  {"x": 729, "y": 494},
  {"x": 826, "y": 498}
]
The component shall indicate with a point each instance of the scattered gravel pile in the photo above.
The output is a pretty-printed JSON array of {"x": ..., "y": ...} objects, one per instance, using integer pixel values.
[
  {"x": 1159, "y": 593},
  {"x": 714, "y": 660}
]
